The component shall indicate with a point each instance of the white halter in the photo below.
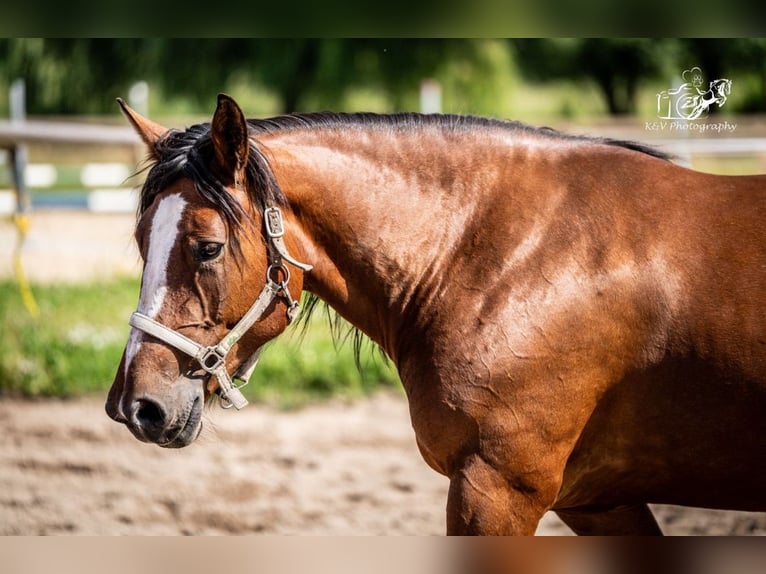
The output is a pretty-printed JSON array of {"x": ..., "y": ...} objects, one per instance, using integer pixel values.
[{"x": 212, "y": 359}]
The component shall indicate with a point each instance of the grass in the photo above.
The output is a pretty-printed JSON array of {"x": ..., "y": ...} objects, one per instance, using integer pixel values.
[{"x": 74, "y": 347}]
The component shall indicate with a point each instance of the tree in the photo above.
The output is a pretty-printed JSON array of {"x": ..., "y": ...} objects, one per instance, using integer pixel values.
[
  {"x": 615, "y": 65},
  {"x": 82, "y": 75},
  {"x": 743, "y": 59}
]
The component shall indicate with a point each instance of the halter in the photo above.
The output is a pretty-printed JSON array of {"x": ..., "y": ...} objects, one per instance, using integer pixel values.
[{"x": 212, "y": 359}]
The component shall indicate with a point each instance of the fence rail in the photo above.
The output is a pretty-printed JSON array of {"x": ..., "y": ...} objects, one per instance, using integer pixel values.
[
  {"x": 15, "y": 135},
  {"x": 713, "y": 146},
  {"x": 15, "y": 132}
]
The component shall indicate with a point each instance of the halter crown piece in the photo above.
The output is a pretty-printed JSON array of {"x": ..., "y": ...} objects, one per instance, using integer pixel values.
[{"x": 212, "y": 359}]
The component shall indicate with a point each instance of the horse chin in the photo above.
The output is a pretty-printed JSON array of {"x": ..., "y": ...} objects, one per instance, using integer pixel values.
[
  {"x": 191, "y": 428},
  {"x": 187, "y": 436}
]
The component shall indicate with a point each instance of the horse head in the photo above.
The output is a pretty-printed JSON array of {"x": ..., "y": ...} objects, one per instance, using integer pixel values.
[
  {"x": 207, "y": 251},
  {"x": 723, "y": 89}
]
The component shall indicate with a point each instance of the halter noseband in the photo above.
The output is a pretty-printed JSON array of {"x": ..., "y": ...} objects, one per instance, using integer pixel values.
[{"x": 212, "y": 359}]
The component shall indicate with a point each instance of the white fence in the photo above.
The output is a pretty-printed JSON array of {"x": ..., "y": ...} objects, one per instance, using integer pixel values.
[
  {"x": 106, "y": 183},
  {"x": 102, "y": 187}
]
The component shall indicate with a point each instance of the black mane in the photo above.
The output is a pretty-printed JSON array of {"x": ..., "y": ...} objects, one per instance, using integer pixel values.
[
  {"x": 410, "y": 120},
  {"x": 188, "y": 154}
]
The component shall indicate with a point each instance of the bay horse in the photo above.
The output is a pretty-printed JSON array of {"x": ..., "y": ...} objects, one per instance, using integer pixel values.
[{"x": 577, "y": 322}]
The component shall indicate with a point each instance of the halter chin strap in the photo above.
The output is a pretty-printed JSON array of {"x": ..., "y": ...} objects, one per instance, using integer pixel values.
[{"x": 212, "y": 359}]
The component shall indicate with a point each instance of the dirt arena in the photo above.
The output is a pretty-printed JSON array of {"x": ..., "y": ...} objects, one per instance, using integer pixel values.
[
  {"x": 347, "y": 468},
  {"x": 332, "y": 469}
]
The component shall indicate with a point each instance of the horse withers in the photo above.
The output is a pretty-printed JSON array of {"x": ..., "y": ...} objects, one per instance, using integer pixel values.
[{"x": 578, "y": 322}]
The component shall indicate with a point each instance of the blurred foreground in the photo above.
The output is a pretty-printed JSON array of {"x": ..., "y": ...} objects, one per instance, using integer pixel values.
[{"x": 335, "y": 468}]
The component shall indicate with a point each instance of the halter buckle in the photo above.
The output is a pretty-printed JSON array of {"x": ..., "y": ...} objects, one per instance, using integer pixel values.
[{"x": 273, "y": 220}]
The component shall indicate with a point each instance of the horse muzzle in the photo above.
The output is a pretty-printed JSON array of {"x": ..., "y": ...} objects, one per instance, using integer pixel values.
[{"x": 170, "y": 420}]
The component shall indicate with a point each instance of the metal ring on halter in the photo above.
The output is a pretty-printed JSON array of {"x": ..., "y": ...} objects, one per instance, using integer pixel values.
[
  {"x": 280, "y": 267},
  {"x": 210, "y": 359}
]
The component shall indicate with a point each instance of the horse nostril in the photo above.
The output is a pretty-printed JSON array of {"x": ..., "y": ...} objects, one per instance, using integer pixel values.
[{"x": 148, "y": 414}]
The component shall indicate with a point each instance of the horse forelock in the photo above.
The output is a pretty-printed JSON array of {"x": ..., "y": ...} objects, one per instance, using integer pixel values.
[{"x": 189, "y": 154}]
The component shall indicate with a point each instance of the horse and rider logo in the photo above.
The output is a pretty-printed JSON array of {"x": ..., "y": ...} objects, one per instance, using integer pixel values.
[{"x": 691, "y": 101}]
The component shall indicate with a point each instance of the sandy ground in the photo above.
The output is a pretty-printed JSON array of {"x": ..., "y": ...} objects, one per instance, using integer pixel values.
[
  {"x": 334, "y": 468},
  {"x": 71, "y": 246},
  {"x": 340, "y": 468}
]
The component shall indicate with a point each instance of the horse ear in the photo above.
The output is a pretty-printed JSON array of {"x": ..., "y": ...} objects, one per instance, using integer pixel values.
[
  {"x": 229, "y": 133},
  {"x": 149, "y": 131}
]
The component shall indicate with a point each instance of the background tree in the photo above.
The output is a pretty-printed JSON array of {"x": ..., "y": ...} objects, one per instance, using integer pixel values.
[
  {"x": 742, "y": 60},
  {"x": 616, "y": 66},
  {"x": 84, "y": 75},
  {"x": 66, "y": 76}
]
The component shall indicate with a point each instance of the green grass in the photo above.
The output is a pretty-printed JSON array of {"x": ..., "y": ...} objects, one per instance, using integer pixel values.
[
  {"x": 296, "y": 369},
  {"x": 75, "y": 345},
  {"x": 72, "y": 348}
]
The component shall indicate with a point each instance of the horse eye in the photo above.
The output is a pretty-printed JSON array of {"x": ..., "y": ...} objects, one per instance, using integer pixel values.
[{"x": 207, "y": 251}]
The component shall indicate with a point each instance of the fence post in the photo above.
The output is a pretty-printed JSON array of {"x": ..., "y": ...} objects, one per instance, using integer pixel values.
[
  {"x": 18, "y": 159},
  {"x": 430, "y": 97},
  {"x": 18, "y": 153}
]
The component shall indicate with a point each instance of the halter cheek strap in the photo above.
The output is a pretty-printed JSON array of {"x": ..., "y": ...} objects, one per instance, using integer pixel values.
[{"x": 212, "y": 359}]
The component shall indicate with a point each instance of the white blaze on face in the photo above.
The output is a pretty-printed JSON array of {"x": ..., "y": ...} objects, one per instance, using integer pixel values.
[{"x": 162, "y": 237}]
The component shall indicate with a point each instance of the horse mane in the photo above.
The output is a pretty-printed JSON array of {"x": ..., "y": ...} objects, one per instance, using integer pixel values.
[
  {"x": 188, "y": 153},
  {"x": 452, "y": 122}
]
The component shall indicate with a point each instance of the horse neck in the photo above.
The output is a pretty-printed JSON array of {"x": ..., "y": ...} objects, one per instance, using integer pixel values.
[{"x": 380, "y": 228}]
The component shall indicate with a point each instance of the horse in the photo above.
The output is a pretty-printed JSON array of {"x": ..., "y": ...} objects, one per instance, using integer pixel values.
[
  {"x": 717, "y": 94},
  {"x": 577, "y": 321}
]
